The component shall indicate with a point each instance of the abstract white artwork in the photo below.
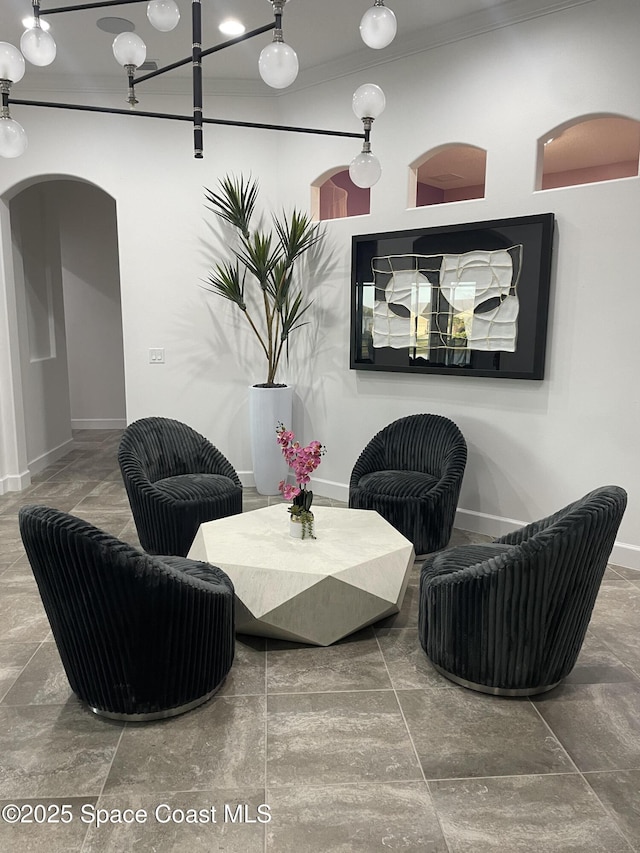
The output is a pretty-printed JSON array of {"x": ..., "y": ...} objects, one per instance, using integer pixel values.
[{"x": 455, "y": 302}]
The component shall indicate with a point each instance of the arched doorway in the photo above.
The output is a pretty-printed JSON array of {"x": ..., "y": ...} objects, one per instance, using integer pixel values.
[{"x": 65, "y": 310}]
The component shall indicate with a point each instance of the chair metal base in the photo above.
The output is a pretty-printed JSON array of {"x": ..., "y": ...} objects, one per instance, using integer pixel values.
[
  {"x": 157, "y": 715},
  {"x": 494, "y": 691}
]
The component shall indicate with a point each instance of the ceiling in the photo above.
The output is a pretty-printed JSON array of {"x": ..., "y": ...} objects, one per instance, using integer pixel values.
[{"x": 324, "y": 33}]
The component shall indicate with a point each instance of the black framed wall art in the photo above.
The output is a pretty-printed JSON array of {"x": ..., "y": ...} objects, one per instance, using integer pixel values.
[{"x": 467, "y": 300}]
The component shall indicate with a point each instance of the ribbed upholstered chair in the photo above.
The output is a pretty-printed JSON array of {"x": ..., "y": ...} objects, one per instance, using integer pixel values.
[
  {"x": 140, "y": 637},
  {"x": 411, "y": 473},
  {"x": 509, "y": 617},
  {"x": 176, "y": 479}
]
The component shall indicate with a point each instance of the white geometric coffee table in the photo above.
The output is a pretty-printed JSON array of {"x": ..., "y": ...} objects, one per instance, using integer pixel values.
[{"x": 308, "y": 590}]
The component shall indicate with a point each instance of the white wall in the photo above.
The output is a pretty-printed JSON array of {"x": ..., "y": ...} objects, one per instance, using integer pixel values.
[
  {"x": 93, "y": 314},
  {"x": 40, "y": 319},
  {"x": 533, "y": 445}
]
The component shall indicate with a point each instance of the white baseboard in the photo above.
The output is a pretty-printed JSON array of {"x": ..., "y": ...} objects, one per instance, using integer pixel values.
[
  {"x": 625, "y": 555},
  {"x": 482, "y": 522},
  {"x": 466, "y": 519},
  {"x": 322, "y": 488},
  {"x": 495, "y": 526},
  {"x": 41, "y": 462},
  {"x": 15, "y": 482},
  {"x": 330, "y": 489},
  {"x": 98, "y": 423}
]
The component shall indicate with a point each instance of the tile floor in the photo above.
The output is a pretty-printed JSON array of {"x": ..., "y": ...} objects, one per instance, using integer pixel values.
[{"x": 355, "y": 748}]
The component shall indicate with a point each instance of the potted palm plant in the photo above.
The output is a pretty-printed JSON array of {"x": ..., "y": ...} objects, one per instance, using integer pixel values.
[{"x": 259, "y": 280}]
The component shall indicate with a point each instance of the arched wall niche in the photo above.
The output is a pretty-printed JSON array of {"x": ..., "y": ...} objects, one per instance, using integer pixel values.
[
  {"x": 452, "y": 172},
  {"x": 588, "y": 149},
  {"x": 335, "y": 196}
]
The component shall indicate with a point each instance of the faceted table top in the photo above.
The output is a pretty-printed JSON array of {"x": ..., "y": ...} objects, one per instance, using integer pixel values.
[{"x": 310, "y": 590}]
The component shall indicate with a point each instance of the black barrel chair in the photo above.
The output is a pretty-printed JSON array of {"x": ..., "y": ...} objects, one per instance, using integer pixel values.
[
  {"x": 411, "y": 473},
  {"x": 509, "y": 617},
  {"x": 140, "y": 637},
  {"x": 176, "y": 479}
]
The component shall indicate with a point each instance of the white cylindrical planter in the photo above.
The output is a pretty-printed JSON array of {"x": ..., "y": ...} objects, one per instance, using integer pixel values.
[{"x": 267, "y": 408}]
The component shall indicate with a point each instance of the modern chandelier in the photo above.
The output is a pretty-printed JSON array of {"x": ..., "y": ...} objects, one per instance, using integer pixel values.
[{"x": 277, "y": 64}]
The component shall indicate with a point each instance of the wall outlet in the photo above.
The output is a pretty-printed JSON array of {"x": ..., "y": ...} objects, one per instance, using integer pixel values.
[{"x": 156, "y": 355}]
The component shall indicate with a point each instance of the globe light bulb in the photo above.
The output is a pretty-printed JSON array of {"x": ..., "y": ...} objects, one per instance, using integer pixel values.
[
  {"x": 164, "y": 15},
  {"x": 365, "y": 170},
  {"x": 129, "y": 49},
  {"x": 378, "y": 27},
  {"x": 38, "y": 46},
  {"x": 11, "y": 62},
  {"x": 13, "y": 139},
  {"x": 278, "y": 65},
  {"x": 369, "y": 101}
]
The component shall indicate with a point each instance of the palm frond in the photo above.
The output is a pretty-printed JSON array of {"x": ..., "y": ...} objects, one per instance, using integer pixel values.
[
  {"x": 258, "y": 256},
  {"x": 280, "y": 284},
  {"x": 235, "y": 201},
  {"x": 297, "y": 234},
  {"x": 290, "y": 316},
  {"x": 225, "y": 280}
]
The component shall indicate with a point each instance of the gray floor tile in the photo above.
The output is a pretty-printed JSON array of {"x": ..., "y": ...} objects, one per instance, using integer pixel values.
[
  {"x": 459, "y": 733},
  {"x": 171, "y": 822},
  {"x": 56, "y": 826},
  {"x": 247, "y": 676},
  {"x": 615, "y": 621},
  {"x": 406, "y": 661},
  {"x": 54, "y": 750},
  {"x": 9, "y": 540},
  {"x": 354, "y": 663},
  {"x": 107, "y": 495},
  {"x": 130, "y": 534},
  {"x": 598, "y": 724},
  {"x": 218, "y": 744},
  {"x": 623, "y": 571},
  {"x": 18, "y": 578},
  {"x": 530, "y": 814},
  {"x": 22, "y": 618},
  {"x": 597, "y": 664},
  {"x": 342, "y": 766},
  {"x": 13, "y": 659},
  {"x": 619, "y": 791},
  {"x": 408, "y": 615},
  {"x": 332, "y": 738},
  {"x": 354, "y": 819},
  {"x": 84, "y": 470},
  {"x": 42, "y": 682},
  {"x": 110, "y": 521},
  {"x": 467, "y": 537}
]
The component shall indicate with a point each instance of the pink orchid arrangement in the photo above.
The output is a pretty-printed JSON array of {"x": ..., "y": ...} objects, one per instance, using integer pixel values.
[{"x": 303, "y": 461}]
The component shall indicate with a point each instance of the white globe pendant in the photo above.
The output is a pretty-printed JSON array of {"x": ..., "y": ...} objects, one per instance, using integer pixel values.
[
  {"x": 365, "y": 170},
  {"x": 129, "y": 49},
  {"x": 38, "y": 46},
  {"x": 11, "y": 63},
  {"x": 278, "y": 65},
  {"x": 369, "y": 101},
  {"x": 378, "y": 27},
  {"x": 13, "y": 139},
  {"x": 164, "y": 15}
]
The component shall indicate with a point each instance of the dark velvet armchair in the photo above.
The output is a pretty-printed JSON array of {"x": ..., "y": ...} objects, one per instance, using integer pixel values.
[
  {"x": 175, "y": 479},
  {"x": 140, "y": 637},
  {"x": 411, "y": 473},
  {"x": 509, "y": 617}
]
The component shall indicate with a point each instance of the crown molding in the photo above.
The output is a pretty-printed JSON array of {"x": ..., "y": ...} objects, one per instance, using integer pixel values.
[{"x": 506, "y": 14}]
